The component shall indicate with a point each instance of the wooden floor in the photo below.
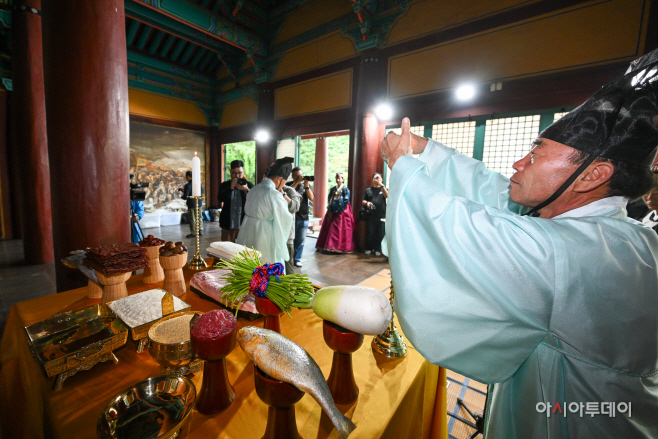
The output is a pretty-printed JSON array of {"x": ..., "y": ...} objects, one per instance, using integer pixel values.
[{"x": 19, "y": 282}]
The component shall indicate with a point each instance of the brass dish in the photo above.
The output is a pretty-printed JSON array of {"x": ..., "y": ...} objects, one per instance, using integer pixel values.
[
  {"x": 76, "y": 340},
  {"x": 156, "y": 408},
  {"x": 175, "y": 358},
  {"x": 140, "y": 333}
]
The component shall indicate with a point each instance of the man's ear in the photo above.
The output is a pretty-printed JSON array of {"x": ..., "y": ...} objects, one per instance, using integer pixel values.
[{"x": 596, "y": 175}]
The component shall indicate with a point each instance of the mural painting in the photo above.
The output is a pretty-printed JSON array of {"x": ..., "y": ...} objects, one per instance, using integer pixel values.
[{"x": 160, "y": 156}]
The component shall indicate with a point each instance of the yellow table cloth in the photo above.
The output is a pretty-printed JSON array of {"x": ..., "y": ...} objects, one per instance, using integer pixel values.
[{"x": 398, "y": 397}]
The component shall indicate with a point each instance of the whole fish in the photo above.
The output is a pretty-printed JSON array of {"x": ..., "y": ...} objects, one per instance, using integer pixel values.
[{"x": 285, "y": 360}]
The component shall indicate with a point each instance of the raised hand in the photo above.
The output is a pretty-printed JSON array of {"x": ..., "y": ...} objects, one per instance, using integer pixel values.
[{"x": 394, "y": 146}]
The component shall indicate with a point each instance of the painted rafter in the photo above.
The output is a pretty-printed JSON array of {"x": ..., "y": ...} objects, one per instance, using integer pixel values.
[
  {"x": 140, "y": 13},
  {"x": 202, "y": 20},
  {"x": 158, "y": 65}
]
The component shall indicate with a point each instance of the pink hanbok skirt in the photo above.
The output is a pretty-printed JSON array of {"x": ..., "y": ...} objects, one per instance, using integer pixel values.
[{"x": 336, "y": 234}]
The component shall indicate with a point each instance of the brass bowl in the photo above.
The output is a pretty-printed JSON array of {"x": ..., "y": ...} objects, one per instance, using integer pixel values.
[
  {"x": 157, "y": 407},
  {"x": 173, "y": 357}
]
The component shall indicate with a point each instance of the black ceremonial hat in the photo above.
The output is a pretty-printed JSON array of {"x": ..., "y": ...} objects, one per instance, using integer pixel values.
[
  {"x": 620, "y": 121},
  {"x": 281, "y": 168},
  {"x": 237, "y": 164}
]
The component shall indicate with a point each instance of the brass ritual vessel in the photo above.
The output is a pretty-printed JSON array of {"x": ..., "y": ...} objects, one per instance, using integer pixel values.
[
  {"x": 156, "y": 408},
  {"x": 391, "y": 343},
  {"x": 175, "y": 358},
  {"x": 197, "y": 263},
  {"x": 72, "y": 341}
]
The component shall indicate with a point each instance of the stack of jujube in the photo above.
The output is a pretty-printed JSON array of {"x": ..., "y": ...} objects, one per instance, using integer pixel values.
[
  {"x": 171, "y": 249},
  {"x": 113, "y": 265}
]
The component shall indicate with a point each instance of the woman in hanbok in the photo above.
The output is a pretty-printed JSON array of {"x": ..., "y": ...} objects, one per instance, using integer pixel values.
[
  {"x": 267, "y": 222},
  {"x": 338, "y": 224}
]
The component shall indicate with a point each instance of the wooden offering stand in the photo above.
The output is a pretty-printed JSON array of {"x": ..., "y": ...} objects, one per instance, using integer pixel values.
[
  {"x": 94, "y": 291},
  {"x": 281, "y": 398},
  {"x": 154, "y": 272},
  {"x": 174, "y": 282},
  {"x": 341, "y": 378},
  {"x": 271, "y": 312},
  {"x": 114, "y": 286},
  {"x": 216, "y": 393}
]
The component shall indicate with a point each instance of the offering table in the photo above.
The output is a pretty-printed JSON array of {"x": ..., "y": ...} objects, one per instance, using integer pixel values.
[{"x": 398, "y": 397}]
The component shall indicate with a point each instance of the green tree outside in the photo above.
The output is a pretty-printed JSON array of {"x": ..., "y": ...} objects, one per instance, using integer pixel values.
[{"x": 245, "y": 151}]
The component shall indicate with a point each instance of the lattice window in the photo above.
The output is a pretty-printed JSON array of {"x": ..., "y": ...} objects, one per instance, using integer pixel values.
[
  {"x": 507, "y": 140},
  {"x": 558, "y": 116},
  {"x": 457, "y": 135}
]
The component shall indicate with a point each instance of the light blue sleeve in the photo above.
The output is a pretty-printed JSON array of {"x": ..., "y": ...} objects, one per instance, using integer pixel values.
[
  {"x": 473, "y": 284},
  {"x": 462, "y": 176},
  {"x": 138, "y": 208}
]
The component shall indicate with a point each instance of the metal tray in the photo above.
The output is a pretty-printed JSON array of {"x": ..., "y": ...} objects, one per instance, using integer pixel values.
[
  {"x": 139, "y": 333},
  {"x": 76, "y": 340}
]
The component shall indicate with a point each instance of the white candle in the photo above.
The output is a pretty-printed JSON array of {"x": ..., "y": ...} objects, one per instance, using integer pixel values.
[{"x": 196, "y": 176}]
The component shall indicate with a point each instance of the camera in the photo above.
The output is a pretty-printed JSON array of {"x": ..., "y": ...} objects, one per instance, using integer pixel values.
[
  {"x": 135, "y": 194},
  {"x": 242, "y": 181},
  {"x": 372, "y": 207},
  {"x": 309, "y": 178}
]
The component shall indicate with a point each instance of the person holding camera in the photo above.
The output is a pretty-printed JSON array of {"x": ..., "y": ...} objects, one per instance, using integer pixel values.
[
  {"x": 303, "y": 187},
  {"x": 232, "y": 198},
  {"x": 191, "y": 211},
  {"x": 136, "y": 212},
  {"x": 374, "y": 201}
]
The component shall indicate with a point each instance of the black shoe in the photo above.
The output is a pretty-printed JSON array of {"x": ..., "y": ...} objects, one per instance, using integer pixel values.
[{"x": 190, "y": 236}]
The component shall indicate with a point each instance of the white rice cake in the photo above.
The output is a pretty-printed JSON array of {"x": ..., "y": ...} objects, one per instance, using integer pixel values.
[
  {"x": 144, "y": 307},
  {"x": 227, "y": 250}
]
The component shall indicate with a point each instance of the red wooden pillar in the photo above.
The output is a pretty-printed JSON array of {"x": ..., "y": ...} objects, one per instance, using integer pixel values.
[
  {"x": 321, "y": 171},
  {"x": 86, "y": 80},
  {"x": 265, "y": 151},
  {"x": 6, "y": 226},
  {"x": 214, "y": 168},
  {"x": 29, "y": 111},
  {"x": 368, "y": 133}
]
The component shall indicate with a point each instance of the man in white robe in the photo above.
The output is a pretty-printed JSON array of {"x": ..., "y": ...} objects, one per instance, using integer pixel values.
[
  {"x": 267, "y": 222},
  {"x": 558, "y": 312}
]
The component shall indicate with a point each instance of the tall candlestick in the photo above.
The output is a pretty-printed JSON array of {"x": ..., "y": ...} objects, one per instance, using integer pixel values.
[{"x": 196, "y": 176}]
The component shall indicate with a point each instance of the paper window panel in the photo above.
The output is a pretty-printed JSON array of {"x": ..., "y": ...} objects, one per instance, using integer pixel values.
[
  {"x": 507, "y": 140},
  {"x": 457, "y": 135}
]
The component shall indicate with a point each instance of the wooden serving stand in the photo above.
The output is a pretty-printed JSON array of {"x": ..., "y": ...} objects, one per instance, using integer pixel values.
[
  {"x": 174, "y": 282},
  {"x": 216, "y": 393},
  {"x": 271, "y": 312},
  {"x": 341, "y": 378},
  {"x": 154, "y": 272},
  {"x": 94, "y": 291},
  {"x": 114, "y": 286},
  {"x": 281, "y": 398}
]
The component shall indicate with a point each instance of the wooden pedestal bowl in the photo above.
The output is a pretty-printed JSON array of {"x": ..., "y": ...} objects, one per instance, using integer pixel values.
[
  {"x": 154, "y": 272},
  {"x": 216, "y": 393},
  {"x": 341, "y": 378},
  {"x": 114, "y": 286},
  {"x": 271, "y": 312},
  {"x": 281, "y": 398},
  {"x": 174, "y": 282}
]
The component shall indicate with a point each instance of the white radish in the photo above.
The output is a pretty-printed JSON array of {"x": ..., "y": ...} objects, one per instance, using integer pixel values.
[{"x": 364, "y": 310}]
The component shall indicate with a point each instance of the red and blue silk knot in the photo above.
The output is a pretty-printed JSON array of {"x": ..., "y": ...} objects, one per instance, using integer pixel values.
[{"x": 260, "y": 278}]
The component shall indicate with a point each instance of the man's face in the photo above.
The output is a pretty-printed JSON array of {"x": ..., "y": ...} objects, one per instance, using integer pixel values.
[
  {"x": 188, "y": 177},
  {"x": 339, "y": 179},
  {"x": 376, "y": 179},
  {"x": 540, "y": 173},
  {"x": 651, "y": 199},
  {"x": 297, "y": 175},
  {"x": 237, "y": 173}
]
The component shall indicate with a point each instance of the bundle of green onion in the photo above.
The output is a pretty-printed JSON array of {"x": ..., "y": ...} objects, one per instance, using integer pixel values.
[{"x": 294, "y": 290}]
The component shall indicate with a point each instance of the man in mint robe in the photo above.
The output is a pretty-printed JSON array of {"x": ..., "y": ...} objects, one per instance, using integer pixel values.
[
  {"x": 267, "y": 222},
  {"x": 555, "y": 310}
]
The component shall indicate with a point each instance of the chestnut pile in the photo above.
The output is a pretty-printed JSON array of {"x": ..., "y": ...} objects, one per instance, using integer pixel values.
[
  {"x": 151, "y": 241},
  {"x": 171, "y": 249}
]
